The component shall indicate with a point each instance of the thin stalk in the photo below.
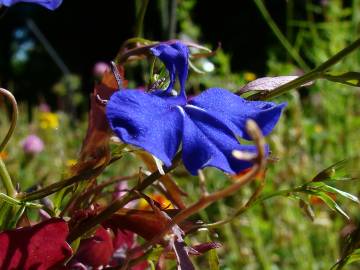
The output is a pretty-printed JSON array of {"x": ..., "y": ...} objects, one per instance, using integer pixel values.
[
  {"x": 39, "y": 194},
  {"x": 139, "y": 28},
  {"x": 283, "y": 40},
  {"x": 6, "y": 180},
  {"x": 314, "y": 74},
  {"x": 172, "y": 19},
  {"x": 4, "y": 175},
  {"x": 250, "y": 204},
  {"x": 14, "y": 116}
]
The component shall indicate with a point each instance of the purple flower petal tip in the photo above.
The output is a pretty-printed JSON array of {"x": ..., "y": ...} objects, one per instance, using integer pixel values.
[{"x": 49, "y": 4}]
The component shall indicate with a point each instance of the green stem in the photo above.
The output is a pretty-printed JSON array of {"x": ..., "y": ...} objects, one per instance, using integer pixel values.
[
  {"x": 9, "y": 200},
  {"x": 42, "y": 193},
  {"x": 293, "y": 53},
  {"x": 14, "y": 116},
  {"x": 6, "y": 180},
  {"x": 314, "y": 74},
  {"x": 250, "y": 205},
  {"x": 12, "y": 201}
]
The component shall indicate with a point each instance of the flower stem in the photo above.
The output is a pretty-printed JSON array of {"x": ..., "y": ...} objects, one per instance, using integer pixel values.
[
  {"x": 314, "y": 74},
  {"x": 14, "y": 116},
  {"x": 42, "y": 193},
  {"x": 6, "y": 180},
  {"x": 251, "y": 204}
]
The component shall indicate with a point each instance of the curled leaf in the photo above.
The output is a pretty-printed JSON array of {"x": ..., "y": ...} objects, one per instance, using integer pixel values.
[
  {"x": 146, "y": 224},
  {"x": 268, "y": 83}
]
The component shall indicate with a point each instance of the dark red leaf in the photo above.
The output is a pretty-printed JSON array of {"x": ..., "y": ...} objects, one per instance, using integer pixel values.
[
  {"x": 42, "y": 246},
  {"x": 96, "y": 250},
  {"x": 196, "y": 250},
  {"x": 204, "y": 247},
  {"x": 123, "y": 239}
]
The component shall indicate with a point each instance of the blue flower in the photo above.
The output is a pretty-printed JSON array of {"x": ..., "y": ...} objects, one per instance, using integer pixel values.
[
  {"x": 205, "y": 127},
  {"x": 49, "y": 4}
]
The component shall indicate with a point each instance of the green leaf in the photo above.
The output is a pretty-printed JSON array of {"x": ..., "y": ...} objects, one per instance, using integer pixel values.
[
  {"x": 349, "y": 78},
  {"x": 341, "y": 193},
  {"x": 330, "y": 202},
  {"x": 212, "y": 257},
  {"x": 353, "y": 257},
  {"x": 344, "y": 170},
  {"x": 323, "y": 187}
]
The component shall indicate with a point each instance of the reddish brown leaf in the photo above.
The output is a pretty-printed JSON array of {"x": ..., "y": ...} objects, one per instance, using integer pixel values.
[
  {"x": 196, "y": 250},
  {"x": 40, "y": 247},
  {"x": 145, "y": 223},
  {"x": 96, "y": 250},
  {"x": 95, "y": 150}
]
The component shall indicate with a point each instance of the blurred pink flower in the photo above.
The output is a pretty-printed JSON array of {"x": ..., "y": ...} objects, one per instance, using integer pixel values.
[
  {"x": 100, "y": 68},
  {"x": 44, "y": 107},
  {"x": 120, "y": 190},
  {"x": 32, "y": 144}
]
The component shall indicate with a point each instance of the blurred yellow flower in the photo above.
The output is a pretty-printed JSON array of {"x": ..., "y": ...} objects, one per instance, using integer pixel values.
[
  {"x": 249, "y": 76},
  {"x": 71, "y": 162},
  {"x": 49, "y": 120},
  {"x": 318, "y": 128},
  {"x": 159, "y": 198}
]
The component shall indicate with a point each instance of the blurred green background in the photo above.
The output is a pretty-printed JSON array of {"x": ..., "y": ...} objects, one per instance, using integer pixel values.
[{"x": 47, "y": 61}]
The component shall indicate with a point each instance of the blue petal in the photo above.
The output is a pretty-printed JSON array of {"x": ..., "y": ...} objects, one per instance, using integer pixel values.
[
  {"x": 146, "y": 121},
  {"x": 175, "y": 57},
  {"x": 209, "y": 142},
  {"x": 49, "y": 4},
  {"x": 234, "y": 110}
]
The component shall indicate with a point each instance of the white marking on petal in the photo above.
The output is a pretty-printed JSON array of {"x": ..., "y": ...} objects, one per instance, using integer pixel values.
[
  {"x": 181, "y": 110},
  {"x": 243, "y": 155},
  {"x": 194, "y": 107}
]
